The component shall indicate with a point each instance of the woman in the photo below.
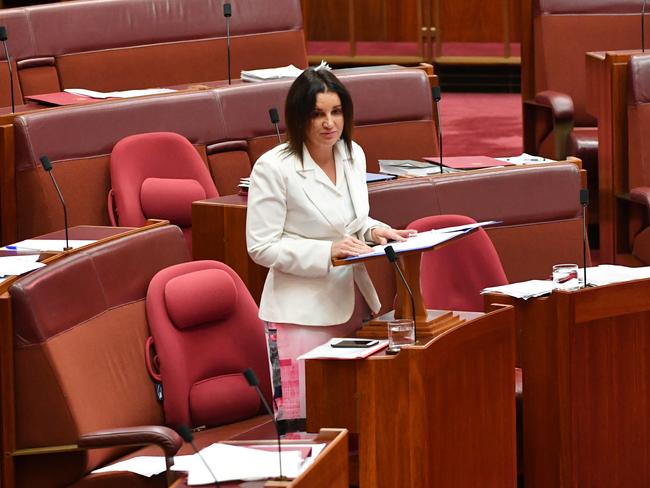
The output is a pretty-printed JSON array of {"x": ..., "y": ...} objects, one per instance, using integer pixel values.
[{"x": 307, "y": 206}]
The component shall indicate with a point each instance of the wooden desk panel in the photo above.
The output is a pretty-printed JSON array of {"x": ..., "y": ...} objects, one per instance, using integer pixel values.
[
  {"x": 440, "y": 414},
  {"x": 586, "y": 379},
  {"x": 607, "y": 101}
]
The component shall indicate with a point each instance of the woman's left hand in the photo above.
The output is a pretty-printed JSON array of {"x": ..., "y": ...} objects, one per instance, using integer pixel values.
[{"x": 381, "y": 235}]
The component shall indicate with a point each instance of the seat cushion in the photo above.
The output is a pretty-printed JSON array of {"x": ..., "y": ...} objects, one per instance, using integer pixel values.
[{"x": 170, "y": 199}]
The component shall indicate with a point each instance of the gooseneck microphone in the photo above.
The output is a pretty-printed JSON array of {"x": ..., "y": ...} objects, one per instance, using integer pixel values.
[
  {"x": 227, "y": 13},
  {"x": 3, "y": 38},
  {"x": 275, "y": 120},
  {"x": 392, "y": 257},
  {"x": 435, "y": 93},
  {"x": 643, "y": 26},
  {"x": 186, "y": 434},
  {"x": 47, "y": 166},
  {"x": 584, "y": 201},
  {"x": 251, "y": 377}
]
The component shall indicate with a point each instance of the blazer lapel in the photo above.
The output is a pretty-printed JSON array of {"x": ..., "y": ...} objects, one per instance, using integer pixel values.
[
  {"x": 319, "y": 191},
  {"x": 358, "y": 191}
]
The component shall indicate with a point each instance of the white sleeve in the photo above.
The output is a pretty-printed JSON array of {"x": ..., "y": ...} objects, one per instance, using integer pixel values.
[
  {"x": 267, "y": 209},
  {"x": 360, "y": 160}
]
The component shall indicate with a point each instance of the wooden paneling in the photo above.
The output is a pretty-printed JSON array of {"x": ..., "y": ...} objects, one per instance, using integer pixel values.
[{"x": 386, "y": 20}]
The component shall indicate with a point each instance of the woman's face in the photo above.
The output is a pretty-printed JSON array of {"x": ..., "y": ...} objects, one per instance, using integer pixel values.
[{"x": 326, "y": 123}]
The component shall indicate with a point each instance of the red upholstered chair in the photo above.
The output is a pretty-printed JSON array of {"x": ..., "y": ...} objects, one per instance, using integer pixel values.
[
  {"x": 453, "y": 276},
  {"x": 207, "y": 332},
  {"x": 157, "y": 176}
]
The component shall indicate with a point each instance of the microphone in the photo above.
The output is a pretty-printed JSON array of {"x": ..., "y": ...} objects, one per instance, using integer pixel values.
[
  {"x": 186, "y": 434},
  {"x": 227, "y": 13},
  {"x": 275, "y": 120},
  {"x": 643, "y": 26},
  {"x": 251, "y": 377},
  {"x": 47, "y": 166},
  {"x": 435, "y": 93},
  {"x": 3, "y": 38},
  {"x": 584, "y": 201},
  {"x": 392, "y": 257}
]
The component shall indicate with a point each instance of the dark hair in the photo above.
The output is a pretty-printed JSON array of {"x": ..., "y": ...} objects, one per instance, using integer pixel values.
[{"x": 301, "y": 102}]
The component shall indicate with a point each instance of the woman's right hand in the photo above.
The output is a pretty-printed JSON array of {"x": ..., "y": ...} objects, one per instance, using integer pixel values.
[{"x": 349, "y": 246}]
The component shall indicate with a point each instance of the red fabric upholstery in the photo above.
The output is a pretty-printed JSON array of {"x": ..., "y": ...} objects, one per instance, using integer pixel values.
[
  {"x": 201, "y": 362},
  {"x": 170, "y": 199},
  {"x": 453, "y": 276},
  {"x": 139, "y": 166},
  {"x": 200, "y": 297}
]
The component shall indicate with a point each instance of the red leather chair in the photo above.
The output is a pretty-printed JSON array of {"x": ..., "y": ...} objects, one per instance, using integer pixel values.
[
  {"x": 207, "y": 332},
  {"x": 157, "y": 176},
  {"x": 453, "y": 276}
]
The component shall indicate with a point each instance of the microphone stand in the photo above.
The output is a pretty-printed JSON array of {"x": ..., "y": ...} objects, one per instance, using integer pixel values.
[
  {"x": 227, "y": 13},
  {"x": 584, "y": 201},
  {"x": 47, "y": 166},
  {"x": 643, "y": 7},
  {"x": 275, "y": 120},
  {"x": 435, "y": 92},
  {"x": 392, "y": 258},
  {"x": 251, "y": 377}
]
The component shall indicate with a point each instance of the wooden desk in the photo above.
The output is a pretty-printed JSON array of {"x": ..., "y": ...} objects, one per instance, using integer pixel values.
[
  {"x": 437, "y": 415},
  {"x": 329, "y": 470},
  {"x": 607, "y": 101},
  {"x": 586, "y": 378}
]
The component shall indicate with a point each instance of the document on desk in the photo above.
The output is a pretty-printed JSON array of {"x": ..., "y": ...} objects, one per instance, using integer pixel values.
[
  {"x": 17, "y": 265},
  {"x": 118, "y": 94},
  {"x": 230, "y": 462},
  {"x": 43, "y": 245},
  {"x": 423, "y": 240},
  {"x": 326, "y": 351}
]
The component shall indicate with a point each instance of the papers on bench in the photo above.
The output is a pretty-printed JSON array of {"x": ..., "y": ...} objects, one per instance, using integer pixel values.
[
  {"x": 407, "y": 167},
  {"x": 605, "y": 274},
  {"x": 326, "y": 351},
  {"x": 228, "y": 462},
  {"x": 17, "y": 265},
  {"x": 118, "y": 94},
  {"x": 46, "y": 245},
  {"x": 524, "y": 159},
  {"x": 255, "y": 75},
  {"x": 423, "y": 240}
]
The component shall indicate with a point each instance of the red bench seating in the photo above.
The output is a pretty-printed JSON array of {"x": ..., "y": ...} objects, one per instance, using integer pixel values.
[{"x": 127, "y": 44}]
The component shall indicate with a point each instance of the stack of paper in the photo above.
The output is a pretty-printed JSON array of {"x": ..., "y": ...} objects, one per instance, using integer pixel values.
[
  {"x": 17, "y": 265},
  {"x": 407, "y": 167},
  {"x": 271, "y": 73},
  {"x": 118, "y": 94},
  {"x": 525, "y": 289},
  {"x": 524, "y": 159},
  {"x": 326, "y": 351}
]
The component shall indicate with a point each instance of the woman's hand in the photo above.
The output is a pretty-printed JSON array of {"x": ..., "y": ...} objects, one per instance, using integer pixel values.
[
  {"x": 381, "y": 235},
  {"x": 349, "y": 246}
]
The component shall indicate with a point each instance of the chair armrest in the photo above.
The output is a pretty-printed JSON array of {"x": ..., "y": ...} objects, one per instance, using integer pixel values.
[
  {"x": 164, "y": 437},
  {"x": 561, "y": 105}
]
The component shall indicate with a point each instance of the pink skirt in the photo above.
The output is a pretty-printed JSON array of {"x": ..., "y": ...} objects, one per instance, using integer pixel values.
[{"x": 293, "y": 340}]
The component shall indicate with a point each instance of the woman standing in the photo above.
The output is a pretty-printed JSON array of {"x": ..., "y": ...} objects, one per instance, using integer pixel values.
[{"x": 308, "y": 205}]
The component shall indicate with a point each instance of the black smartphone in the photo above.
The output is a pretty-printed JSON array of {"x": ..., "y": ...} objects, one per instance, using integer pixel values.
[{"x": 361, "y": 343}]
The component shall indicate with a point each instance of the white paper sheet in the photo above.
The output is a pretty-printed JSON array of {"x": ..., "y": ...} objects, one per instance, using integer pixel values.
[
  {"x": 143, "y": 465},
  {"x": 17, "y": 265},
  {"x": 46, "y": 245},
  {"x": 229, "y": 462},
  {"x": 326, "y": 351},
  {"x": 271, "y": 73},
  {"x": 118, "y": 94}
]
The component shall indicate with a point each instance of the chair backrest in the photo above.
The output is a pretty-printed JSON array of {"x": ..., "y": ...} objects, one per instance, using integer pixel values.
[
  {"x": 79, "y": 334},
  {"x": 207, "y": 332},
  {"x": 157, "y": 176},
  {"x": 638, "y": 121},
  {"x": 564, "y": 30},
  {"x": 453, "y": 276}
]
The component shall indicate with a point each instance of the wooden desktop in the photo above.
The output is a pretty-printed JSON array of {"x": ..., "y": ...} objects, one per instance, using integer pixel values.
[
  {"x": 437, "y": 414},
  {"x": 586, "y": 385}
]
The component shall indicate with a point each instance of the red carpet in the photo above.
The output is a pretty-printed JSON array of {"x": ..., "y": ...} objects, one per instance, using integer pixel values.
[{"x": 487, "y": 124}]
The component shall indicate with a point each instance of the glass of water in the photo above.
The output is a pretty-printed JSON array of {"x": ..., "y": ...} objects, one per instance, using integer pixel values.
[
  {"x": 566, "y": 275},
  {"x": 401, "y": 332}
]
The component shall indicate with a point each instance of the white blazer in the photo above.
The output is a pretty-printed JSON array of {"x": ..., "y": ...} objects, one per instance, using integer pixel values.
[{"x": 290, "y": 227}]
